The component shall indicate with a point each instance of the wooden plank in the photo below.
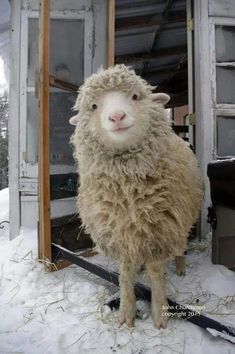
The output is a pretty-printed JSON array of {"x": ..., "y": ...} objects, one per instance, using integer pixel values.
[
  {"x": 13, "y": 124},
  {"x": 61, "y": 265},
  {"x": 44, "y": 134},
  {"x": 111, "y": 33}
]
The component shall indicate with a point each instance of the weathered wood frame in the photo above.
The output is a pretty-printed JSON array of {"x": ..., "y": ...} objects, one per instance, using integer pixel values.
[
  {"x": 14, "y": 120},
  {"x": 45, "y": 81},
  {"x": 203, "y": 111},
  {"x": 206, "y": 12},
  {"x": 44, "y": 133},
  {"x": 218, "y": 109},
  {"x": 111, "y": 33}
]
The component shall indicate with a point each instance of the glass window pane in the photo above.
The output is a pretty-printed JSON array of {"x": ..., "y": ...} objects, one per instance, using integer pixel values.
[
  {"x": 32, "y": 50},
  {"x": 225, "y": 84},
  {"x": 61, "y": 104},
  {"x": 67, "y": 50},
  {"x": 224, "y": 43},
  {"x": 226, "y": 136}
]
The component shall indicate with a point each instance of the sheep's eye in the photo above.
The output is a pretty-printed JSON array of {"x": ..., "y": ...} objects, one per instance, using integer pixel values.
[
  {"x": 94, "y": 107},
  {"x": 135, "y": 97}
]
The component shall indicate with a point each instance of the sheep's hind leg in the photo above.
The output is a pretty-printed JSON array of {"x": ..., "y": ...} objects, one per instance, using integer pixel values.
[
  {"x": 155, "y": 271},
  {"x": 127, "y": 311},
  {"x": 180, "y": 265}
]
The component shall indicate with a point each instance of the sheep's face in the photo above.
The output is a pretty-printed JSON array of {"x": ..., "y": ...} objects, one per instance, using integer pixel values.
[{"x": 120, "y": 119}]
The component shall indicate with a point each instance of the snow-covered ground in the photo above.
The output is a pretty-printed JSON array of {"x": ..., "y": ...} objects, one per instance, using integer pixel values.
[{"x": 64, "y": 313}]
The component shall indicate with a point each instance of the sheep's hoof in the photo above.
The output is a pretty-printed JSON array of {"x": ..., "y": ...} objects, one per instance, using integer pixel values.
[
  {"x": 127, "y": 315},
  {"x": 180, "y": 272},
  {"x": 160, "y": 323},
  {"x": 158, "y": 316}
]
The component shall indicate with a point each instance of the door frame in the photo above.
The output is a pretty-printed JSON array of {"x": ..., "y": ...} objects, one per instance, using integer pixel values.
[
  {"x": 44, "y": 229},
  {"x": 203, "y": 104}
]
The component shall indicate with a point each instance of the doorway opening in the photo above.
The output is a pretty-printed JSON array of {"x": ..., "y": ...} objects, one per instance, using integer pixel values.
[{"x": 153, "y": 37}]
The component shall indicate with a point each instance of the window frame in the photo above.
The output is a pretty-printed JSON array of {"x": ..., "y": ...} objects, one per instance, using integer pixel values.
[
  {"x": 219, "y": 109},
  {"x": 26, "y": 169}
]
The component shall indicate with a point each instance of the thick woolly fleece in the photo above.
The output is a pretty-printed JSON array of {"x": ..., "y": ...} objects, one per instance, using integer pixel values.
[{"x": 139, "y": 202}]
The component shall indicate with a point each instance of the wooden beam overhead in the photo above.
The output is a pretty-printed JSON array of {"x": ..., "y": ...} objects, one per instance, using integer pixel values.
[
  {"x": 165, "y": 16},
  {"x": 126, "y": 23},
  {"x": 133, "y": 58}
]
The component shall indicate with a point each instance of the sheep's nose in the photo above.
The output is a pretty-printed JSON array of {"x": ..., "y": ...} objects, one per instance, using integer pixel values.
[{"x": 117, "y": 117}]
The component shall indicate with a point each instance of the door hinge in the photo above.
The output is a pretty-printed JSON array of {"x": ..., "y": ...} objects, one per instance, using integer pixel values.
[
  {"x": 190, "y": 25},
  {"x": 191, "y": 118}
]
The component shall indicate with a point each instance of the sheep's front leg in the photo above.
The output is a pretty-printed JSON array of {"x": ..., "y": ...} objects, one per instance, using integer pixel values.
[
  {"x": 155, "y": 271},
  {"x": 127, "y": 309}
]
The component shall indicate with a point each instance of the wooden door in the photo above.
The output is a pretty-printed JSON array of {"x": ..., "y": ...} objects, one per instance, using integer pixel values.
[{"x": 69, "y": 52}]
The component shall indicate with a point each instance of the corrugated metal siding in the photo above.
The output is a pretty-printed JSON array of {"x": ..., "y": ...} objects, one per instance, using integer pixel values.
[{"x": 162, "y": 41}]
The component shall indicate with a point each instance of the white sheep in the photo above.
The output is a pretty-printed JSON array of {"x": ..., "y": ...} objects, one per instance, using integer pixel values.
[{"x": 140, "y": 188}]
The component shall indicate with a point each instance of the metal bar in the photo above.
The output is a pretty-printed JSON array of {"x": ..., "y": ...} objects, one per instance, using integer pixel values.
[
  {"x": 64, "y": 85},
  {"x": 144, "y": 292}
]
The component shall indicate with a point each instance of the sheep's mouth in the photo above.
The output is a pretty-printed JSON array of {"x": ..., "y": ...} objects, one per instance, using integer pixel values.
[{"x": 120, "y": 129}]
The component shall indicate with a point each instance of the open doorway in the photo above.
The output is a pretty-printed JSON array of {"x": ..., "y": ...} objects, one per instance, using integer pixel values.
[
  {"x": 153, "y": 37},
  {"x": 156, "y": 39}
]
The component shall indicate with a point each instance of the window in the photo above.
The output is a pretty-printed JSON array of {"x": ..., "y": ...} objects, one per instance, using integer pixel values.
[
  {"x": 226, "y": 135},
  {"x": 67, "y": 63},
  {"x": 224, "y": 108}
]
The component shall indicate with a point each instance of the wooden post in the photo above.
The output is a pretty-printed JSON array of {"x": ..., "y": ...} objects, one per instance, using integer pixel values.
[
  {"x": 111, "y": 33},
  {"x": 44, "y": 134}
]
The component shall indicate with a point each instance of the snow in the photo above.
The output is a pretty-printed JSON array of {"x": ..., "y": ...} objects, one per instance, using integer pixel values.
[
  {"x": 229, "y": 159},
  {"x": 64, "y": 313},
  {"x": 216, "y": 333}
]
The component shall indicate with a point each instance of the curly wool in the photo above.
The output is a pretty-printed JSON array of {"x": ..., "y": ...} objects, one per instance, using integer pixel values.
[
  {"x": 116, "y": 78},
  {"x": 138, "y": 203}
]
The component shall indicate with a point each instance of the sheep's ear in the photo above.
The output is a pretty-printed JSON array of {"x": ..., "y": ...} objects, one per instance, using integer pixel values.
[
  {"x": 159, "y": 97},
  {"x": 73, "y": 120}
]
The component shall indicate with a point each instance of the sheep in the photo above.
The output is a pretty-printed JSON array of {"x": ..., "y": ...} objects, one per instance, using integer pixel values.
[{"x": 140, "y": 187}]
